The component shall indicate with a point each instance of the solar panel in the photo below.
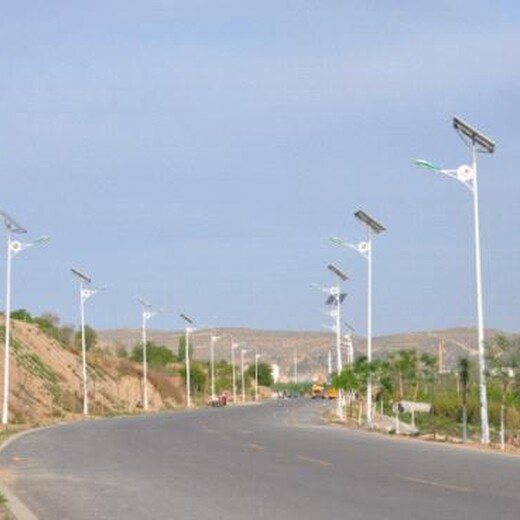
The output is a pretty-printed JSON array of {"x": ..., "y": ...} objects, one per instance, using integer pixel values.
[
  {"x": 332, "y": 299},
  {"x": 372, "y": 223},
  {"x": 485, "y": 143},
  {"x": 11, "y": 224},
  {"x": 340, "y": 274},
  {"x": 81, "y": 275}
]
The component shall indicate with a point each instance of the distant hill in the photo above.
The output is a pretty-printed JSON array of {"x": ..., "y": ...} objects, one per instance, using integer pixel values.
[{"x": 312, "y": 347}]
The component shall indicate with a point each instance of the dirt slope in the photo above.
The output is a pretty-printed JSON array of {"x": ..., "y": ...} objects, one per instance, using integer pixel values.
[{"x": 46, "y": 382}]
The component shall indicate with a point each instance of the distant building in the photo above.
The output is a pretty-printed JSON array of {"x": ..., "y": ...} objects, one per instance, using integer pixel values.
[{"x": 275, "y": 371}]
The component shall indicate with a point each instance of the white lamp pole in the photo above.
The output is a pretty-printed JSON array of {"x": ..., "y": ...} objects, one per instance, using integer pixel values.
[
  {"x": 13, "y": 248},
  {"x": 242, "y": 352},
  {"x": 233, "y": 348},
  {"x": 335, "y": 292},
  {"x": 339, "y": 361},
  {"x": 257, "y": 357},
  {"x": 84, "y": 295},
  {"x": 146, "y": 314},
  {"x": 365, "y": 250},
  {"x": 213, "y": 340},
  {"x": 467, "y": 175},
  {"x": 189, "y": 330},
  {"x": 335, "y": 298}
]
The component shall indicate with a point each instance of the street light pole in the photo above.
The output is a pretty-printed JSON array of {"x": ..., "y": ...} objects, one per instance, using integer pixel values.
[
  {"x": 189, "y": 329},
  {"x": 84, "y": 295},
  {"x": 242, "y": 352},
  {"x": 188, "y": 368},
  {"x": 233, "y": 348},
  {"x": 335, "y": 299},
  {"x": 5, "y": 407},
  {"x": 338, "y": 297},
  {"x": 13, "y": 248},
  {"x": 467, "y": 175},
  {"x": 365, "y": 250},
  {"x": 146, "y": 314},
  {"x": 213, "y": 340}
]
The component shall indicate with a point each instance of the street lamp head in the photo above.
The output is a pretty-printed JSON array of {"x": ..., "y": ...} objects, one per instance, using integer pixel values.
[
  {"x": 11, "y": 224},
  {"x": 40, "y": 241},
  {"x": 340, "y": 274},
  {"x": 82, "y": 276},
  {"x": 477, "y": 138},
  {"x": 338, "y": 241},
  {"x": 372, "y": 223},
  {"x": 427, "y": 164}
]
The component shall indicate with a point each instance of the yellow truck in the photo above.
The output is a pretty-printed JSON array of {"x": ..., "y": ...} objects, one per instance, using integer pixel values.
[{"x": 332, "y": 393}]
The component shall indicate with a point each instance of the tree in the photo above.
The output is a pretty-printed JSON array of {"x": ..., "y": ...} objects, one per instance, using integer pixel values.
[
  {"x": 404, "y": 367},
  {"x": 66, "y": 336},
  {"x": 48, "y": 320},
  {"x": 198, "y": 377},
  {"x": 501, "y": 361},
  {"x": 265, "y": 374},
  {"x": 223, "y": 376},
  {"x": 156, "y": 355},
  {"x": 90, "y": 337},
  {"x": 22, "y": 315}
]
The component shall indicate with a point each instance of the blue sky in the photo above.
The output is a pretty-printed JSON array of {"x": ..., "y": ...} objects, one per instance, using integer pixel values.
[{"x": 200, "y": 153}]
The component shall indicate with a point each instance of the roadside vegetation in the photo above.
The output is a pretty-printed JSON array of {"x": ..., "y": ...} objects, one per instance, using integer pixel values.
[{"x": 407, "y": 376}]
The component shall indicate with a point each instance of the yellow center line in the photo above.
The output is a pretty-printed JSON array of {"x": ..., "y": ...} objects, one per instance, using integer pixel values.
[
  {"x": 437, "y": 484},
  {"x": 319, "y": 462},
  {"x": 258, "y": 447}
]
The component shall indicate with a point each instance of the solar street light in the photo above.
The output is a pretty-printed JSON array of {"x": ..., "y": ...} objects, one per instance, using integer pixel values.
[
  {"x": 84, "y": 294},
  {"x": 467, "y": 175},
  {"x": 188, "y": 330},
  {"x": 147, "y": 313},
  {"x": 234, "y": 346},
  {"x": 336, "y": 298},
  {"x": 242, "y": 353},
  {"x": 13, "y": 248},
  {"x": 214, "y": 338},
  {"x": 364, "y": 248}
]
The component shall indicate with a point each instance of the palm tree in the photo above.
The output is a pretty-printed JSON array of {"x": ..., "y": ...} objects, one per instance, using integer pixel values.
[
  {"x": 501, "y": 360},
  {"x": 404, "y": 366}
]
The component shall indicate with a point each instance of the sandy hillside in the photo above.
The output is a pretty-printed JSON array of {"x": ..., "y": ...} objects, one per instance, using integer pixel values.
[{"x": 45, "y": 380}]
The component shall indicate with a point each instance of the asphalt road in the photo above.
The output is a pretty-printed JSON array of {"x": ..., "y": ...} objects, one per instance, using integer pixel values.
[{"x": 272, "y": 461}]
